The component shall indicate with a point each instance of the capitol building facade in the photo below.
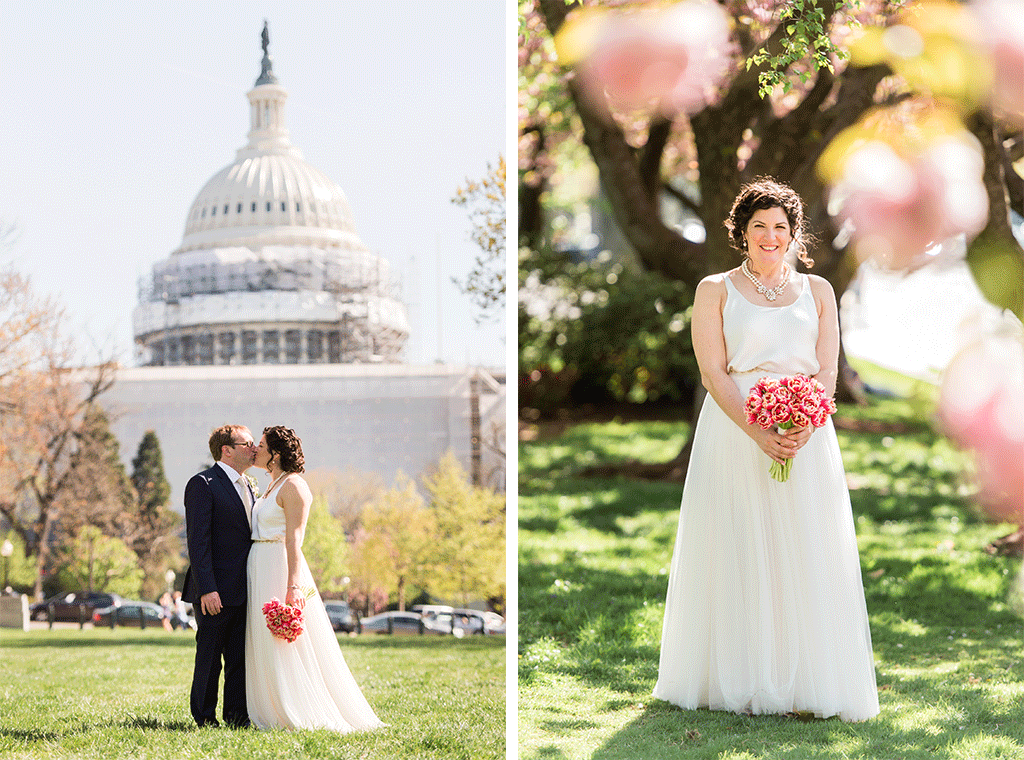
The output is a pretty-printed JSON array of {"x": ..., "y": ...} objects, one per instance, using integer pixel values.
[{"x": 272, "y": 311}]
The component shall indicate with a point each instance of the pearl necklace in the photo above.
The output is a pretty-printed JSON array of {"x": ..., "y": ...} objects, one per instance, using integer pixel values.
[
  {"x": 770, "y": 294},
  {"x": 273, "y": 485}
]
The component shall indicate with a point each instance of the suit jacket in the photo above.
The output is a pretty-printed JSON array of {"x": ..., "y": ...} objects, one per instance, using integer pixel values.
[{"x": 218, "y": 537}]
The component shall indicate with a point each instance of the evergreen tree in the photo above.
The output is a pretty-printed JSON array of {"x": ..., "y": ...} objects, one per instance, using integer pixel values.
[
  {"x": 100, "y": 492},
  {"x": 153, "y": 533}
]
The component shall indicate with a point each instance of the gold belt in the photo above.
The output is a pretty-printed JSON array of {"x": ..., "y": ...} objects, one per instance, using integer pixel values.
[{"x": 268, "y": 540}]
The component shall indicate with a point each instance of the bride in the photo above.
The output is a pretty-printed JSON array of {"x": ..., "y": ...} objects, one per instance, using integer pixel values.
[
  {"x": 765, "y": 610},
  {"x": 305, "y": 683}
]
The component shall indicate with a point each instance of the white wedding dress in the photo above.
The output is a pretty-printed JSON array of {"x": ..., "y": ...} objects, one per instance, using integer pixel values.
[
  {"x": 765, "y": 610},
  {"x": 301, "y": 684}
]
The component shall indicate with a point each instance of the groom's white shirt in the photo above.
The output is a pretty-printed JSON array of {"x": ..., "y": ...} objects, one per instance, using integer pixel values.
[{"x": 243, "y": 491}]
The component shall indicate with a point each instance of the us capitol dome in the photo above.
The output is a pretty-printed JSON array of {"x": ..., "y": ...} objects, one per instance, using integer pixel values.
[{"x": 270, "y": 269}]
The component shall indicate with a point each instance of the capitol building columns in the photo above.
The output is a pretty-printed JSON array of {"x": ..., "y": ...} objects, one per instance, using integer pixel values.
[{"x": 252, "y": 344}]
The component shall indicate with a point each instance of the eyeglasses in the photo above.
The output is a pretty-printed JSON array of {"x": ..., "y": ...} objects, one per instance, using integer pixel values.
[{"x": 247, "y": 444}]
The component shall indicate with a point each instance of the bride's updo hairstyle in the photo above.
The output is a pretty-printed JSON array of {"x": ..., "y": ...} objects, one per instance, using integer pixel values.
[
  {"x": 762, "y": 194},
  {"x": 286, "y": 447}
]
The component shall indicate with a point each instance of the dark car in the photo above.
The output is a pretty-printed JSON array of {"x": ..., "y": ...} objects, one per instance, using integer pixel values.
[
  {"x": 66, "y": 605},
  {"x": 342, "y": 617},
  {"x": 131, "y": 615},
  {"x": 397, "y": 623}
]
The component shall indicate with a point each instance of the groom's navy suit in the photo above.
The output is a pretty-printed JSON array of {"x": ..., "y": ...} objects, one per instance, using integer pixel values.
[{"x": 219, "y": 537}]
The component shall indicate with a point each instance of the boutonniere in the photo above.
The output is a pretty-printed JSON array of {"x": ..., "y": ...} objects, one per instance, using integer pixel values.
[{"x": 254, "y": 485}]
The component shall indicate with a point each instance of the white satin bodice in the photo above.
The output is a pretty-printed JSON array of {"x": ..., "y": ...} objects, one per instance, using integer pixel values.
[
  {"x": 268, "y": 517},
  {"x": 776, "y": 339}
]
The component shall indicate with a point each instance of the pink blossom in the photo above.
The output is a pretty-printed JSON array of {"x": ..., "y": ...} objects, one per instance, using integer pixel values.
[
  {"x": 801, "y": 420},
  {"x": 980, "y": 407},
  {"x": 780, "y": 414},
  {"x": 764, "y": 419},
  {"x": 900, "y": 205},
  {"x": 669, "y": 57}
]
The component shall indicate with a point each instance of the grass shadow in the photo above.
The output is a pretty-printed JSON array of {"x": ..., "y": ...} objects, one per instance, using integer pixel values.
[
  {"x": 158, "y": 724},
  {"x": 663, "y": 732}
]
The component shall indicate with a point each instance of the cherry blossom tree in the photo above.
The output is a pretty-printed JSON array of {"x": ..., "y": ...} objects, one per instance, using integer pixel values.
[{"x": 792, "y": 102}]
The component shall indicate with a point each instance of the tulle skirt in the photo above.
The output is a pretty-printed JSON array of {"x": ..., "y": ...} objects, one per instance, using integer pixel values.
[
  {"x": 765, "y": 610},
  {"x": 301, "y": 684}
]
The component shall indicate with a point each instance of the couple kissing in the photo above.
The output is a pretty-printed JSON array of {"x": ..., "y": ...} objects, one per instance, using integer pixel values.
[{"x": 244, "y": 550}]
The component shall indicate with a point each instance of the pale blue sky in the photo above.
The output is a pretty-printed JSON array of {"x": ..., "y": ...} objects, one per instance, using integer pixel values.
[{"x": 117, "y": 113}]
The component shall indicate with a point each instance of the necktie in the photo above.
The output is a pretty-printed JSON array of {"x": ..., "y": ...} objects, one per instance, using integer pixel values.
[{"x": 243, "y": 491}]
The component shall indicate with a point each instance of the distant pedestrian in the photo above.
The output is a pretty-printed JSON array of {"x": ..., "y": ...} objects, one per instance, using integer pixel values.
[
  {"x": 179, "y": 617},
  {"x": 165, "y": 610}
]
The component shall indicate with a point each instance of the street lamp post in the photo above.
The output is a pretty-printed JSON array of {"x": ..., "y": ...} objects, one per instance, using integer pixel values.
[{"x": 6, "y": 549}]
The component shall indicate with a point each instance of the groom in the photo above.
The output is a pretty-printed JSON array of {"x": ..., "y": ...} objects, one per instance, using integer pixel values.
[{"x": 218, "y": 509}]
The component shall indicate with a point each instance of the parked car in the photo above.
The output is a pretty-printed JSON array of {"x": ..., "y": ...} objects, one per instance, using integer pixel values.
[
  {"x": 342, "y": 617},
  {"x": 494, "y": 624},
  {"x": 397, "y": 623},
  {"x": 66, "y": 605},
  {"x": 130, "y": 615},
  {"x": 465, "y": 622}
]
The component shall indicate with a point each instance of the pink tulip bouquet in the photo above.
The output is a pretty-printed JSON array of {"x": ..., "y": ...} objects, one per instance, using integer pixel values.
[
  {"x": 284, "y": 620},
  {"x": 792, "y": 401}
]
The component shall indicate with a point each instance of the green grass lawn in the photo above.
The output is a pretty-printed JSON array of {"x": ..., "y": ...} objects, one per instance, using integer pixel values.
[
  {"x": 124, "y": 694},
  {"x": 594, "y": 557}
]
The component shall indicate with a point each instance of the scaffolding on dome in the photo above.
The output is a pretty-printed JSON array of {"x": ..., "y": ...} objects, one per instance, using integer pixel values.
[{"x": 353, "y": 312}]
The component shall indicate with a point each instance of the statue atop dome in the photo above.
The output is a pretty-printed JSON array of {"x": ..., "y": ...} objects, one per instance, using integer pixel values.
[{"x": 267, "y": 73}]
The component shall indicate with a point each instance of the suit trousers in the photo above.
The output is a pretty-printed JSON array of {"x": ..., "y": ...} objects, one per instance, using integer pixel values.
[{"x": 219, "y": 636}]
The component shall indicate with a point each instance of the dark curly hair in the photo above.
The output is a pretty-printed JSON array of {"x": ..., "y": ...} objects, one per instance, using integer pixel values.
[
  {"x": 283, "y": 444},
  {"x": 761, "y": 194}
]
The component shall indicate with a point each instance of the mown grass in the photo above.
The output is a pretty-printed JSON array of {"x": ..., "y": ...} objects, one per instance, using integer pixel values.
[
  {"x": 594, "y": 556},
  {"x": 124, "y": 694}
]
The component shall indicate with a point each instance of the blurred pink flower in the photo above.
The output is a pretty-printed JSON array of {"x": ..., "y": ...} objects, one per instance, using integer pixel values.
[
  {"x": 901, "y": 205},
  {"x": 669, "y": 58},
  {"x": 981, "y": 406},
  {"x": 1002, "y": 34}
]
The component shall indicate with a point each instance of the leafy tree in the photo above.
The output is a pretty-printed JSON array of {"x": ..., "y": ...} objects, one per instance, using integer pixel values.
[
  {"x": 469, "y": 544},
  {"x": 397, "y": 548},
  {"x": 43, "y": 419},
  {"x": 325, "y": 548},
  {"x": 365, "y": 591},
  {"x": 98, "y": 562},
  {"x": 21, "y": 570},
  {"x": 604, "y": 330},
  {"x": 41, "y": 437},
  {"x": 151, "y": 527},
  {"x": 485, "y": 201}
]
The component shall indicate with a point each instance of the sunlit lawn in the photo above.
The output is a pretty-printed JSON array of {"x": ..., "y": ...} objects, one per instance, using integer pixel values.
[
  {"x": 594, "y": 557},
  {"x": 124, "y": 694}
]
